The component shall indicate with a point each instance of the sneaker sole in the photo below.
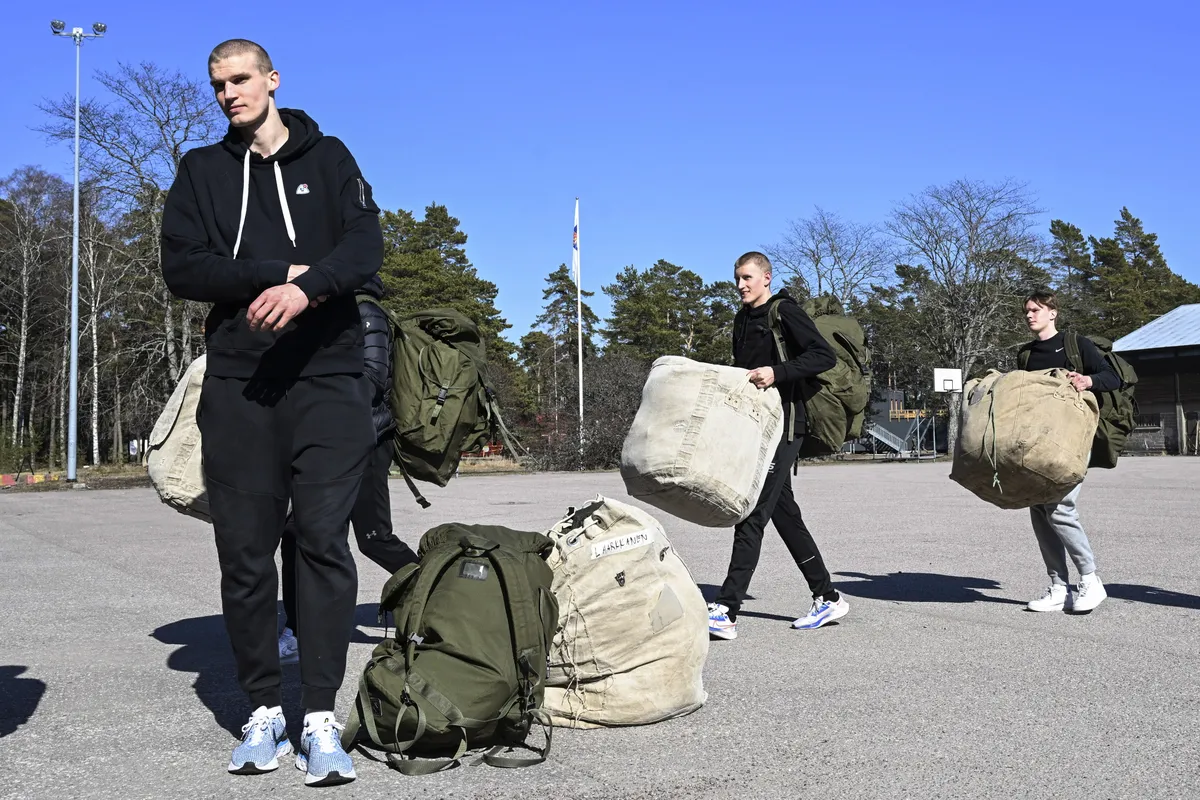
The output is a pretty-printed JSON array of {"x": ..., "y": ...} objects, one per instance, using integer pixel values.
[
  {"x": 331, "y": 778},
  {"x": 294, "y": 658},
  {"x": 1044, "y": 609},
  {"x": 720, "y": 634},
  {"x": 837, "y": 614},
  {"x": 250, "y": 768}
]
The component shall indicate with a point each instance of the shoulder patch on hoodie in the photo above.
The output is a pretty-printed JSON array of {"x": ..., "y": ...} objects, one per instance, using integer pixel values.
[{"x": 364, "y": 200}]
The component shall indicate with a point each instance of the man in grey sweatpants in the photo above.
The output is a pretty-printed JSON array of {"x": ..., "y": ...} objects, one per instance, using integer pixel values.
[{"x": 1056, "y": 525}]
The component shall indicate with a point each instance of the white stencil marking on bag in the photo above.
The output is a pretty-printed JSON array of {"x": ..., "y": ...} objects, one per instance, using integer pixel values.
[{"x": 619, "y": 544}]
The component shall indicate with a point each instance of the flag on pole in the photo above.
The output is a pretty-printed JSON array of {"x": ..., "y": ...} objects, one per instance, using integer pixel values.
[{"x": 575, "y": 246}]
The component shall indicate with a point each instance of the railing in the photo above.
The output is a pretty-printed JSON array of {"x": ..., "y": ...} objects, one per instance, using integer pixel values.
[
  {"x": 896, "y": 414},
  {"x": 887, "y": 437},
  {"x": 1147, "y": 422}
]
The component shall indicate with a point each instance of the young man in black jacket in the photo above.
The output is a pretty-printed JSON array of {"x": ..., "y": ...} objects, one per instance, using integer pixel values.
[
  {"x": 1056, "y": 525},
  {"x": 371, "y": 517},
  {"x": 754, "y": 349},
  {"x": 276, "y": 227}
]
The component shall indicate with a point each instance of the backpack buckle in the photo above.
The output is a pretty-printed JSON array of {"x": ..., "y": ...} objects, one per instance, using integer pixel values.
[{"x": 415, "y": 639}]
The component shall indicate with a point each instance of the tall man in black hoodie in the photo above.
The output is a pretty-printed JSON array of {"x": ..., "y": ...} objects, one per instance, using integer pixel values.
[
  {"x": 754, "y": 349},
  {"x": 276, "y": 227}
]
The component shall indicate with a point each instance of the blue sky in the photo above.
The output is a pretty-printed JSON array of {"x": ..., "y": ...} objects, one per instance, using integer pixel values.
[{"x": 690, "y": 131}]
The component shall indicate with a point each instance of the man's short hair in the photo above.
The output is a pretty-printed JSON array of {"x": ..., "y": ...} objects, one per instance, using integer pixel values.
[
  {"x": 1044, "y": 298},
  {"x": 241, "y": 47},
  {"x": 753, "y": 257}
]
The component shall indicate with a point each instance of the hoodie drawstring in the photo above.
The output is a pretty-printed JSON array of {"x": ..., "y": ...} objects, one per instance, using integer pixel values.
[
  {"x": 287, "y": 212},
  {"x": 245, "y": 200}
]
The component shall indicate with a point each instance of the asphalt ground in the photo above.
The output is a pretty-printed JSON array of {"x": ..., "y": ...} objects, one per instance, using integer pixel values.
[{"x": 116, "y": 679}]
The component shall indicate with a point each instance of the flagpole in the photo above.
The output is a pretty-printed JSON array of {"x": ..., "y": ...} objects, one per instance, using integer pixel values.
[{"x": 578, "y": 324}]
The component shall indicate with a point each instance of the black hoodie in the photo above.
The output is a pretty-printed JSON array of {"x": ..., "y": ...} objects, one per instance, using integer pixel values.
[
  {"x": 231, "y": 228},
  {"x": 754, "y": 347}
]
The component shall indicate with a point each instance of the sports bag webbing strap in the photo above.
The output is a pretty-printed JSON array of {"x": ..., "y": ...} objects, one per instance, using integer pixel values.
[
  {"x": 493, "y": 758},
  {"x": 781, "y": 352}
]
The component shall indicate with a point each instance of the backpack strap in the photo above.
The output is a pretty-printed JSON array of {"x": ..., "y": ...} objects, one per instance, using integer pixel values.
[
  {"x": 527, "y": 614},
  {"x": 1074, "y": 357},
  {"x": 493, "y": 410},
  {"x": 1023, "y": 358},
  {"x": 412, "y": 487},
  {"x": 781, "y": 352}
]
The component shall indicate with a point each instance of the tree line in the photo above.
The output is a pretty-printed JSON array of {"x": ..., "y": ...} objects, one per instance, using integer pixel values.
[{"x": 937, "y": 283}]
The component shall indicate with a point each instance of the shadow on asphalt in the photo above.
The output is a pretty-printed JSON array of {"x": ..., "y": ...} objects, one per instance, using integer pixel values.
[
  {"x": 1152, "y": 595},
  {"x": 921, "y": 587},
  {"x": 710, "y": 590},
  {"x": 19, "y": 698},
  {"x": 204, "y": 649}
]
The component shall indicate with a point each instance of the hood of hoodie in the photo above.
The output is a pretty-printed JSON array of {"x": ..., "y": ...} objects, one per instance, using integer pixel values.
[
  {"x": 303, "y": 133},
  {"x": 761, "y": 311}
]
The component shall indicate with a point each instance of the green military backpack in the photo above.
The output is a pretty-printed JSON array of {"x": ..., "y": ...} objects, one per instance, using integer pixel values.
[
  {"x": 1118, "y": 408},
  {"x": 441, "y": 397},
  {"x": 835, "y": 402},
  {"x": 467, "y": 666}
]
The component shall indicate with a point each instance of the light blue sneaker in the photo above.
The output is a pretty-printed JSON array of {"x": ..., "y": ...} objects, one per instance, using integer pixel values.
[
  {"x": 321, "y": 754},
  {"x": 264, "y": 742},
  {"x": 822, "y": 612}
]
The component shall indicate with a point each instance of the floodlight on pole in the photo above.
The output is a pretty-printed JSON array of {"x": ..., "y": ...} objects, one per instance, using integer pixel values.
[{"x": 59, "y": 28}]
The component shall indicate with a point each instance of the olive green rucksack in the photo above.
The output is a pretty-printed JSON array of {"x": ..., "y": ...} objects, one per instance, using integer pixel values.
[
  {"x": 441, "y": 397},
  {"x": 835, "y": 402},
  {"x": 467, "y": 665},
  {"x": 1118, "y": 408}
]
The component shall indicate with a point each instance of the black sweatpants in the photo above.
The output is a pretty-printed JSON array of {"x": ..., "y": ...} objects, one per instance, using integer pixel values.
[
  {"x": 776, "y": 504},
  {"x": 372, "y": 523},
  {"x": 265, "y": 442}
]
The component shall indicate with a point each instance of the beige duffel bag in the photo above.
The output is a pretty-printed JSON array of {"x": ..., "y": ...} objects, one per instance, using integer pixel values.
[
  {"x": 702, "y": 441},
  {"x": 175, "y": 463},
  {"x": 632, "y": 625},
  {"x": 1025, "y": 437}
]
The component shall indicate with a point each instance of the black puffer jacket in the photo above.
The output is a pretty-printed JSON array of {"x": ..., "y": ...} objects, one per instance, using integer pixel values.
[{"x": 377, "y": 356}]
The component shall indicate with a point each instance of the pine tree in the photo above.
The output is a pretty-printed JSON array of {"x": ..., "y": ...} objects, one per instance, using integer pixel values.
[
  {"x": 559, "y": 314},
  {"x": 1133, "y": 282},
  {"x": 425, "y": 266}
]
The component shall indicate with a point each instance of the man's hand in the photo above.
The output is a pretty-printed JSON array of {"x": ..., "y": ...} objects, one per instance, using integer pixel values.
[
  {"x": 276, "y": 307},
  {"x": 763, "y": 377},
  {"x": 1081, "y": 382}
]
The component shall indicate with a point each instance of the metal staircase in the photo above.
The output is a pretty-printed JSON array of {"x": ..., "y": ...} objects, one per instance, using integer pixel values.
[{"x": 888, "y": 438}]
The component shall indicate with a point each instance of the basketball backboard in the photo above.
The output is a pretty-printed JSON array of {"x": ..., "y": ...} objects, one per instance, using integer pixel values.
[{"x": 947, "y": 380}]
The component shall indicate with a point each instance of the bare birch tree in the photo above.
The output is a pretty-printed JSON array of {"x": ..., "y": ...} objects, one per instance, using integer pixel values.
[
  {"x": 971, "y": 249},
  {"x": 825, "y": 254},
  {"x": 132, "y": 145},
  {"x": 32, "y": 219}
]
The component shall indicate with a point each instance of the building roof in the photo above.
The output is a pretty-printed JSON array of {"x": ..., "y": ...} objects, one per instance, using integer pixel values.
[{"x": 1178, "y": 328}]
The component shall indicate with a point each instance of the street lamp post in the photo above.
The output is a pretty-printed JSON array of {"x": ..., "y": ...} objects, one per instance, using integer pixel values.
[{"x": 59, "y": 28}]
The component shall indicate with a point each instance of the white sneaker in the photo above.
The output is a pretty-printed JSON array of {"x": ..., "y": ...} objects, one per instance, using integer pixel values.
[
  {"x": 719, "y": 623},
  {"x": 1090, "y": 593},
  {"x": 289, "y": 648},
  {"x": 1054, "y": 599},
  {"x": 822, "y": 613}
]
